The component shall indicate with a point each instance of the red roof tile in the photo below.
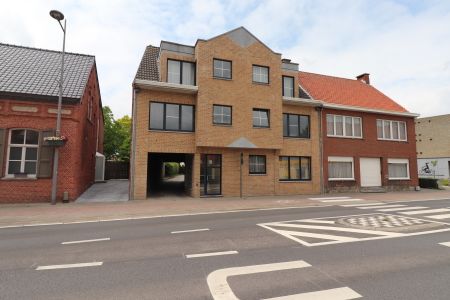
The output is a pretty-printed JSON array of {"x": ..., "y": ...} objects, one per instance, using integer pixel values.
[{"x": 343, "y": 91}]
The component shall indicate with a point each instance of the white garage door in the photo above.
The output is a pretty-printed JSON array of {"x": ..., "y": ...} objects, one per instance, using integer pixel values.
[{"x": 370, "y": 171}]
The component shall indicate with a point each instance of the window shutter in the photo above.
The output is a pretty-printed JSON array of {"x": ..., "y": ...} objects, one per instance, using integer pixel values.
[
  {"x": 45, "y": 156},
  {"x": 2, "y": 148}
]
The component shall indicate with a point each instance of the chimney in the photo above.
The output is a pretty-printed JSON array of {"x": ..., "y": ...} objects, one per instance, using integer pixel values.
[
  {"x": 285, "y": 60},
  {"x": 364, "y": 78}
]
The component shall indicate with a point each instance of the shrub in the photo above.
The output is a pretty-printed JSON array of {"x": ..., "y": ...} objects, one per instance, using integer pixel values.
[
  {"x": 444, "y": 182},
  {"x": 171, "y": 168}
]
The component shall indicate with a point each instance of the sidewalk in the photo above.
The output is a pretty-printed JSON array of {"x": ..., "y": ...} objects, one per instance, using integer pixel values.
[{"x": 29, "y": 214}]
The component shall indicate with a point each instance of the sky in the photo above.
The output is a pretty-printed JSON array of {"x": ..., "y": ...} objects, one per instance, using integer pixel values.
[{"x": 404, "y": 45}]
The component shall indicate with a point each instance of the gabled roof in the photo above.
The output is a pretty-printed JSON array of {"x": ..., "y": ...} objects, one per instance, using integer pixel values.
[
  {"x": 346, "y": 92},
  {"x": 34, "y": 73},
  {"x": 148, "y": 68}
]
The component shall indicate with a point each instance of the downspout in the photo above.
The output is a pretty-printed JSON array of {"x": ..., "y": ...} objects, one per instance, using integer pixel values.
[
  {"x": 241, "y": 162},
  {"x": 322, "y": 181},
  {"x": 133, "y": 145}
]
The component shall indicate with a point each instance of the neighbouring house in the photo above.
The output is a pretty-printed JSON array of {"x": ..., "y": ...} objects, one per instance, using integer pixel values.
[
  {"x": 369, "y": 140},
  {"x": 219, "y": 107},
  {"x": 433, "y": 146},
  {"x": 28, "y": 108}
]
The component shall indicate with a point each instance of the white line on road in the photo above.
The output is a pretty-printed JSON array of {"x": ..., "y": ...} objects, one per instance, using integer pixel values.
[
  {"x": 359, "y": 204},
  {"x": 447, "y": 244},
  {"x": 440, "y": 217},
  {"x": 382, "y": 206},
  {"x": 317, "y": 221},
  {"x": 192, "y": 230},
  {"x": 211, "y": 254},
  {"x": 332, "y": 228},
  {"x": 80, "y": 265},
  {"x": 329, "y": 198},
  {"x": 343, "y": 293},
  {"x": 427, "y": 211},
  {"x": 343, "y": 200},
  {"x": 403, "y": 208},
  {"x": 86, "y": 241}
]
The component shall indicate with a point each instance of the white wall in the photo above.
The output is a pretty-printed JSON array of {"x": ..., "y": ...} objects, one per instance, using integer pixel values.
[{"x": 438, "y": 167}]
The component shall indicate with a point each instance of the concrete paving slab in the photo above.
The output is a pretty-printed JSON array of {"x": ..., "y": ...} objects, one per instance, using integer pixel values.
[{"x": 109, "y": 191}]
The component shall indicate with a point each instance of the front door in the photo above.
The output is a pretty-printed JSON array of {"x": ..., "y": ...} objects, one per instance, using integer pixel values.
[
  {"x": 370, "y": 171},
  {"x": 211, "y": 174}
]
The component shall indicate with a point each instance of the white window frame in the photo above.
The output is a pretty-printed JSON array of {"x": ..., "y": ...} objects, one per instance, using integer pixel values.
[
  {"x": 344, "y": 135},
  {"x": 399, "y": 161},
  {"x": 383, "y": 122},
  {"x": 24, "y": 147},
  {"x": 342, "y": 159}
]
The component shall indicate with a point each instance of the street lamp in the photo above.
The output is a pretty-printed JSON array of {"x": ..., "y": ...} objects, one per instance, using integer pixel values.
[{"x": 58, "y": 16}]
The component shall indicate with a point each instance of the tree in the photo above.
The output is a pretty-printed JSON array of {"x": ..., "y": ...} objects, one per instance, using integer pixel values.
[{"x": 117, "y": 136}]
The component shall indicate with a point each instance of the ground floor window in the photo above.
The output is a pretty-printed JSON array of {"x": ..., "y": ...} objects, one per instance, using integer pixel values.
[
  {"x": 398, "y": 168},
  {"x": 295, "y": 168},
  {"x": 340, "y": 168},
  {"x": 257, "y": 164},
  {"x": 23, "y": 152}
]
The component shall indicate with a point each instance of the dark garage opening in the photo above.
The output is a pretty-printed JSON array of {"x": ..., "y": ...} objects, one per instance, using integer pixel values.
[{"x": 169, "y": 174}]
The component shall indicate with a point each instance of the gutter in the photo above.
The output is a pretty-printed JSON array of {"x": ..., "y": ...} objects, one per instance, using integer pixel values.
[{"x": 165, "y": 86}]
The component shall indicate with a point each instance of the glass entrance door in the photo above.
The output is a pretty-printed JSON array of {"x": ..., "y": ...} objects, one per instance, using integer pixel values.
[{"x": 211, "y": 174}]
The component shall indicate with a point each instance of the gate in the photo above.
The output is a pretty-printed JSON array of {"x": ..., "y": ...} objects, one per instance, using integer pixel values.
[{"x": 117, "y": 170}]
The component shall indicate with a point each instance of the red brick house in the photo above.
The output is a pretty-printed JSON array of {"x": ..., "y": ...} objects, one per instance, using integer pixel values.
[
  {"x": 28, "y": 106},
  {"x": 368, "y": 139}
]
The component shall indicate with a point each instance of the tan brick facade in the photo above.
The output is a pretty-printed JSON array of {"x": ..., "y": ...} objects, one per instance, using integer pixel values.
[{"x": 433, "y": 137}]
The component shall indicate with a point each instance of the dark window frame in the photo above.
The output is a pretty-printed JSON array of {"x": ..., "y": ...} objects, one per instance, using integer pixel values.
[
  {"x": 268, "y": 117},
  {"x": 265, "y": 165},
  {"x": 297, "y": 137},
  {"x": 300, "y": 165},
  {"x": 231, "y": 115},
  {"x": 181, "y": 70},
  {"x": 164, "y": 117},
  {"x": 221, "y": 77},
  {"x": 293, "y": 85},
  {"x": 268, "y": 74}
]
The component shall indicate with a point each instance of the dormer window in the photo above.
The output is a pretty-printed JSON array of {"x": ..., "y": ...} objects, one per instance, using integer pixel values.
[{"x": 181, "y": 72}]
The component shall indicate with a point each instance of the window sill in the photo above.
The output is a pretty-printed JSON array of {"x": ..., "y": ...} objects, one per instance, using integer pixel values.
[
  {"x": 341, "y": 179},
  {"x": 404, "y": 178},
  {"x": 170, "y": 131},
  {"x": 223, "y": 78},
  {"x": 297, "y": 137},
  {"x": 12, "y": 177},
  {"x": 222, "y": 125},
  {"x": 262, "y": 174},
  {"x": 345, "y": 137},
  {"x": 290, "y": 181},
  {"x": 389, "y": 140},
  {"x": 261, "y": 83},
  {"x": 260, "y": 127}
]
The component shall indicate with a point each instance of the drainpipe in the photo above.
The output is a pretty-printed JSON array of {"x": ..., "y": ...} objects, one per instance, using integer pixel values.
[
  {"x": 322, "y": 181},
  {"x": 133, "y": 145},
  {"x": 240, "y": 175}
]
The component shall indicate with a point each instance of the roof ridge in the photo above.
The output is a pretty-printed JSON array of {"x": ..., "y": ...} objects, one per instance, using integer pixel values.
[{"x": 45, "y": 50}]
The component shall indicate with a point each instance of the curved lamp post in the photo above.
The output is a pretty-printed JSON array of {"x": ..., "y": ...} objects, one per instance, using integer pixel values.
[{"x": 57, "y": 15}]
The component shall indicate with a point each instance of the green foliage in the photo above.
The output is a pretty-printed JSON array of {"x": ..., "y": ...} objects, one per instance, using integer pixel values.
[
  {"x": 171, "y": 168},
  {"x": 117, "y": 136},
  {"x": 444, "y": 182}
]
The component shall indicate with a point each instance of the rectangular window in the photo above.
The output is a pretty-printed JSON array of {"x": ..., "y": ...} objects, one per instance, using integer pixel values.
[
  {"x": 257, "y": 164},
  {"x": 181, "y": 72},
  {"x": 391, "y": 130},
  {"x": 295, "y": 168},
  {"x": 23, "y": 152},
  {"x": 222, "y": 68},
  {"x": 296, "y": 126},
  {"x": 340, "y": 168},
  {"x": 288, "y": 86},
  {"x": 260, "y": 74},
  {"x": 398, "y": 169},
  {"x": 344, "y": 126},
  {"x": 222, "y": 114},
  {"x": 171, "y": 117},
  {"x": 261, "y": 118}
]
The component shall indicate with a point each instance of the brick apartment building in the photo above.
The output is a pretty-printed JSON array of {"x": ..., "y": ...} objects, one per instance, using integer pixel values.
[
  {"x": 247, "y": 122},
  {"x": 368, "y": 139},
  {"x": 219, "y": 107},
  {"x": 28, "y": 107}
]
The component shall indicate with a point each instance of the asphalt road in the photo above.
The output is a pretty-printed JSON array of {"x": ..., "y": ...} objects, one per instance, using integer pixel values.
[{"x": 251, "y": 256}]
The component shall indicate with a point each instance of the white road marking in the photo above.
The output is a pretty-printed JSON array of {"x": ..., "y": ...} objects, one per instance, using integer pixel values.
[
  {"x": 217, "y": 280},
  {"x": 85, "y": 241},
  {"x": 293, "y": 234},
  {"x": 211, "y": 254},
  {"x": 80, "y": 265},
  {"x": 331, "y": 228},
  {"x": 343, "y": 200},
  {"x": 318, "y": 221},
  {"x": 359, "y": 204},
  {"x": 447, "y": 244},
  {"x": 427, "y": 211},
  {"x": 343, "y": 293},
  {"x": 440, "y": 217},
  {"x": 329, "y": 198},
  {"x": 192, "y": 230},
  {"x": 382, "y": 206},
  {"x": 402, "y": 208}
]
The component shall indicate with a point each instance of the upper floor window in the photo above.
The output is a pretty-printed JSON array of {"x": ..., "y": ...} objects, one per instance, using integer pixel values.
[
  {"x": 391, "y": 130},
  {"x": 222, "y": 114},
  {"x": 257, "y": 164},
  {"x": 23, "y": 152},
  {"x": 261, "y": 118},
  {"x": 181, "y": 72},
  {"x": 171, "y": 117},
  {"x": 222, "y": 68},
  {"x": 295, "y": 126},
  {"x": 260, "y": 74},
  {"x": 344, "y": 126},
  {"x": 288, "y": 86}
]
